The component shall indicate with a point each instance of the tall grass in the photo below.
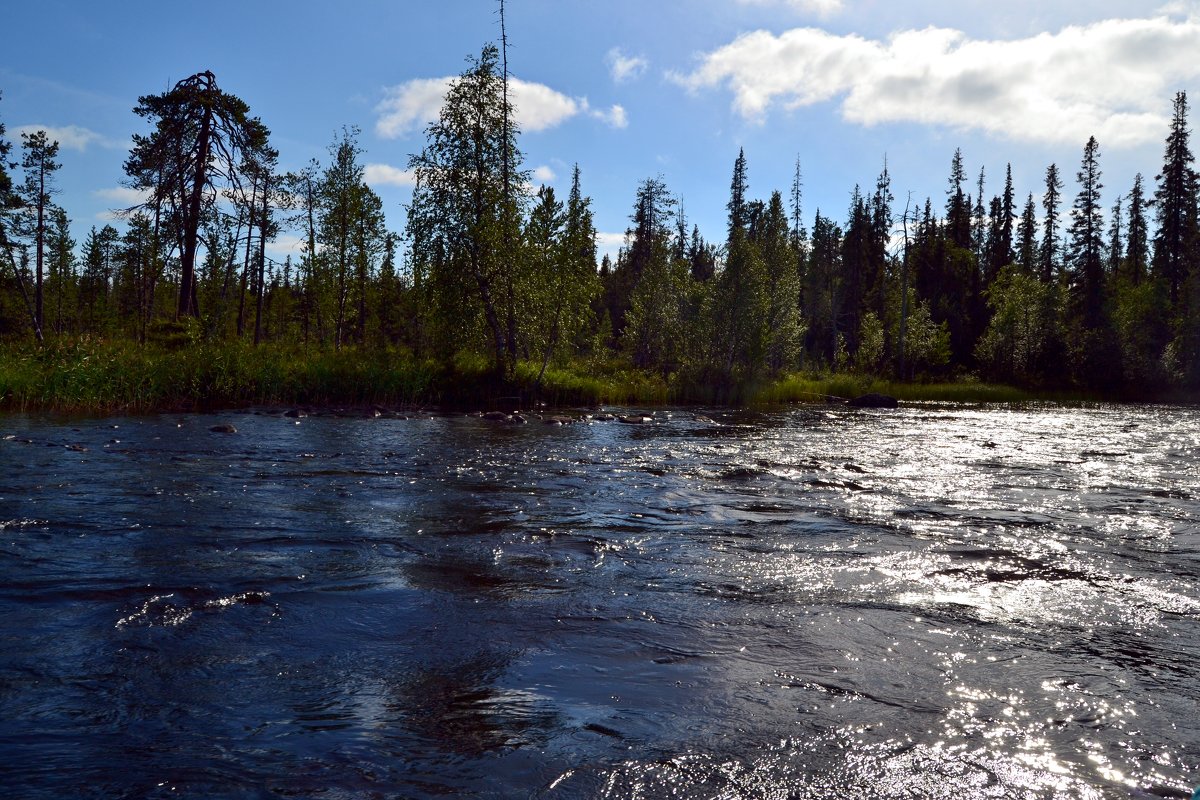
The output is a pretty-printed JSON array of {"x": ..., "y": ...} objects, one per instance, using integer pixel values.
[
  {"x": 96, "y": 376},
  {"x": 824, "y": 388},
  {"x": 91, "y": 375}
]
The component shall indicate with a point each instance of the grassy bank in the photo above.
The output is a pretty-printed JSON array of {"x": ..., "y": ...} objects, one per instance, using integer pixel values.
[{"x": 94, "y": 376}]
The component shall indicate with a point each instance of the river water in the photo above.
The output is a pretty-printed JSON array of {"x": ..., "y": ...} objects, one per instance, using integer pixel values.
[{"x": 819, "y": 602}]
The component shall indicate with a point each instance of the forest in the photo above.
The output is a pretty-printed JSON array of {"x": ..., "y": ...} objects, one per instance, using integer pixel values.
[{"x": 496, "y": 278}]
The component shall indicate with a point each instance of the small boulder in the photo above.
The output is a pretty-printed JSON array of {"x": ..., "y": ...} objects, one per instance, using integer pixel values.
[
  {"x": 295, "y": 413},
  {"x": 604, "y": 418},
  {"x": 497, "y": 416},
  {"x": 557, "y": 420},
  {"x": 518, "y": 419},
  {"x": 636, "y": 419},
  {"x": 223, "y": 428},
  {"x": 874, "y": 400}
]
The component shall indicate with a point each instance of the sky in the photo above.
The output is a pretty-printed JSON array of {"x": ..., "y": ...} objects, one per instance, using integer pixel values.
[{"x": 631, "y": 89}]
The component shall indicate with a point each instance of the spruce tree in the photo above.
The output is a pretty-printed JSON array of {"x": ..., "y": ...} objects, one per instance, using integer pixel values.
[
  {"x": 1051, "y": 236},
  {"x": 1026, "y": 256},
  {"x": 1137, "y": 240},
  {"x": 460, "y": 217},
  {"x": 1175, "y": 243},
  {"x": 1086, "y": 247}
]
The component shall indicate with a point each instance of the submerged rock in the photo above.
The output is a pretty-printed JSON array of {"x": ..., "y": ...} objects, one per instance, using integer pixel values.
[
  {"x": 874, "y": 400},
  {"x": 636, "y": 419},
  {"x": 604, "y": 418},
  {"x": 295, "y": 413},
  {"x": 557, "y": 419},
  {"x": 497, "y": 416},
  {"x": 223, "y": 428}
]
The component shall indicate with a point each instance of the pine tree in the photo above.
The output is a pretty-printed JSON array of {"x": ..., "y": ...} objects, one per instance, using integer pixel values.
[
  {"x": 202, "y": 137},
  {"x": 39, "y": 164},
  {"x": 60, "y": 262}
]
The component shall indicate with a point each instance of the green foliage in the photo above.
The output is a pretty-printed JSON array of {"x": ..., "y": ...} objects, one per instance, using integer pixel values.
[
  {"x": 465, "y": 215},
  {"x": 926, "y": 343},
  {"x": 497, "y": 291},
  {"x": 1024, "y": 330},
  {"x": 870, "y": 355}
]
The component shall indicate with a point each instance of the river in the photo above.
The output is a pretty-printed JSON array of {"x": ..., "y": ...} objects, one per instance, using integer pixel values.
[{"x": 813, "y": 602}]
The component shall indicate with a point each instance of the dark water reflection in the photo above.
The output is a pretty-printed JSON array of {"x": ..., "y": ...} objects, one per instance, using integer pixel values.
[{"x": 816, "y": 603}]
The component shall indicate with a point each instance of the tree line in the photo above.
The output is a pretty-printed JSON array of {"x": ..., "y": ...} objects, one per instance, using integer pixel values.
[{"x": 1045, "y": 293}]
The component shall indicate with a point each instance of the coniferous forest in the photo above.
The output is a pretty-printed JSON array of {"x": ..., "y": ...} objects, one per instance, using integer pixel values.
[{"x": 1076, "y": 286}]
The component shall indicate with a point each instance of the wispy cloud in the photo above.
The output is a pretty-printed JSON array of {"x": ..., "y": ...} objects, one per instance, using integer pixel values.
[
  {"x": 123, "y": 196},
  {"x": 387, "y": 175},
  {"x": 609, "y": 244},
  {"x": 822, "y": 8},
  {"x": 1112, "y": 79},
  {"x": 614, "y": 116},
  {"x": 69, "y": 137},
  {"x": 625, "y": 68},
  {"x": 412, "y": 105},
  {"x": 283, "y": 246}
]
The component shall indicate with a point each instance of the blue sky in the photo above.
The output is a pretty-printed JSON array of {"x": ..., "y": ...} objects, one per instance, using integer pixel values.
[{"x": 631, "y": 89}]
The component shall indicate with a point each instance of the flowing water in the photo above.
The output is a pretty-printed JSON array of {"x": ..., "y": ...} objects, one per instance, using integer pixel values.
[{"x": 934, "y": 602}]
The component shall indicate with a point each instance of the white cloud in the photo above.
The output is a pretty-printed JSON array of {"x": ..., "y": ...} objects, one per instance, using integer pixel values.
[
  {"x": 625, "y": 68},
  {"x": 614, "y": 117},
  {"x": 1112, "y": 79},
  {"x": 609, "y": 244},
  {"x": 283, "y": 246},
  {"x": 69, "y": 137},
  {"x": 410, "y": 105},
  {"x": 538, "y": 107},
  {"x": 544, "y": 174},
  {"x": 123, "y": 196},
  {"x": 387, "y": 175},
  {"x": 416, "y": 103},
  {"x": 822, "y": 8}
]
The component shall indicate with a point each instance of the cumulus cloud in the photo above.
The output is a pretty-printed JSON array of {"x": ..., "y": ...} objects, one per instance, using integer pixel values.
[
  {"x": 69, "y": 137},
  {"x": 822, "y": 8},
  {"x": 387, "y": 175},
  {"x": 544, "y": 174},
  {"x": 1112, "y": 79},
  {"x": 410, "y": 106},
  {"x": 413, "y": 105},
  {"x": 625, "y": 68}
]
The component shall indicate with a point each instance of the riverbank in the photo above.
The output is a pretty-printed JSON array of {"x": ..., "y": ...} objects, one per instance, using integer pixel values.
[{"x": 95, "y": 376}]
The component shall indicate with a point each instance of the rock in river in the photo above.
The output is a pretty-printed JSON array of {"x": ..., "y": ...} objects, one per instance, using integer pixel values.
[{"x": 874, "y": 400}]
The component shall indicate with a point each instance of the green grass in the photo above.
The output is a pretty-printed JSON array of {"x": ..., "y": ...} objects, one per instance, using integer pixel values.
[
  {"x": 824, "y": 388},
  {"x": 97, "y": 376}
]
